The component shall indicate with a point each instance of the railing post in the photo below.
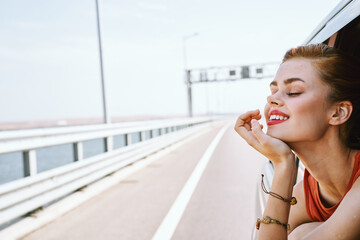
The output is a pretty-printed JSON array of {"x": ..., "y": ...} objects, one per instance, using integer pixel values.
[
  {"x": 142, "y": 136},
  {"x": 30, "y": 164},
  {"x": 109, "y": 143},
  {"x": 153, "y": 133},
  {"x": 128, "y": 139},
  {"x": 78, "y": 151}
]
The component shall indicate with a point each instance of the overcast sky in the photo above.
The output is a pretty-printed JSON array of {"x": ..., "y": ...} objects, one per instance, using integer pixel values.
[{"x": 49, "y": 60}]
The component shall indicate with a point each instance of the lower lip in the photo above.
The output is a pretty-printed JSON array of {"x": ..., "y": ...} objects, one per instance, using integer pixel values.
[{"x": 273, "y": 122}]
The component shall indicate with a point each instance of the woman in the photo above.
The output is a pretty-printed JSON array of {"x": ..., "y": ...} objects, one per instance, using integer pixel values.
[{"x": 314, "y": 112}]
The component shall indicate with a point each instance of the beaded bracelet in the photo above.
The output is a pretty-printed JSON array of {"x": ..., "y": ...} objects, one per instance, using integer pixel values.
[
  {"x": 268, "y": 220},
  {"x": 292, "y": 201}
]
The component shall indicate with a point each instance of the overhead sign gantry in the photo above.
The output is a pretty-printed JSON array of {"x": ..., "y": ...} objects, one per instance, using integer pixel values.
[{"x": 227, "y": 73}]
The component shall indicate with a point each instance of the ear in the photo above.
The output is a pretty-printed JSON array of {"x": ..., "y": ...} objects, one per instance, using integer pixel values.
[{"x": 341, "y": 112}]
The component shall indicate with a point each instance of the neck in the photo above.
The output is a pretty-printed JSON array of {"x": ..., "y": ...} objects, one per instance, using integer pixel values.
[{"x": 330, "y": 162}]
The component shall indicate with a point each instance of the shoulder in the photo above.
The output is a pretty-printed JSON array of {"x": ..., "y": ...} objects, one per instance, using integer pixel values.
[
  {"x": 298, "y": 214},
  {"x": 354, "y": 190},
  {"x": 345, "y": 221},
  {"x": 350, "y": 204}
]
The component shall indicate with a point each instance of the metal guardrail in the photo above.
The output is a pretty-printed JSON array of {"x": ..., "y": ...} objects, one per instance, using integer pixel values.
[
  {"x": 29, "y": 140},
  {"x": 27, "y": 194}
]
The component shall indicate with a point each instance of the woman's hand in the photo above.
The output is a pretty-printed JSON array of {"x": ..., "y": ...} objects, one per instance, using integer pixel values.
[{"x": 248, "y": 127}]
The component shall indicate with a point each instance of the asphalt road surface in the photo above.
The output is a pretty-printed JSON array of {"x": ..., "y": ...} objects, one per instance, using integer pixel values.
[{"x": 221, "y": 206}]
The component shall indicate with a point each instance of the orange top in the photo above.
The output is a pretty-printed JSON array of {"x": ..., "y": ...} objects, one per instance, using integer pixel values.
[{"x": 314, "y": 207}]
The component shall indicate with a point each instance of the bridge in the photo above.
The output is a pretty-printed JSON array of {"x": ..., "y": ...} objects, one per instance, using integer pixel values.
[{"x": 189, "y": 178}]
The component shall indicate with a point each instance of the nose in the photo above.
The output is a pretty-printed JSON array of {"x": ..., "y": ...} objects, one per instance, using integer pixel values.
[{"x": 274, "y": 100}]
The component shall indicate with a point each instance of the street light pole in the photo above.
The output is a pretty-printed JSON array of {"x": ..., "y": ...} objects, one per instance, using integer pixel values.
[
  {"x": 187, "y": 74},
  {"x": 105, "y": 107}
]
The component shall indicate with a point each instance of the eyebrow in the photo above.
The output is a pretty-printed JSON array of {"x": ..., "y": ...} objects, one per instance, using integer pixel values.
[{"x": 287, "y": 81}]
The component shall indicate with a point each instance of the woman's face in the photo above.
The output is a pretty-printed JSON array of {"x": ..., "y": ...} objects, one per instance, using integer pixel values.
[{"x": 297, "y": 109}]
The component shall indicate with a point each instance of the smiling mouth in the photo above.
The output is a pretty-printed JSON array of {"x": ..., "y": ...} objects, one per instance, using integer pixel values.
[{"x": 277, "y": 117}]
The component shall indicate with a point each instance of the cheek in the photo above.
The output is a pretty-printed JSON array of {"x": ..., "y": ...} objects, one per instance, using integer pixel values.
[
  {"x": 310, "y": 113},
  {"x": 308, "y": 122},
  {"x": 311, "y": 124}
]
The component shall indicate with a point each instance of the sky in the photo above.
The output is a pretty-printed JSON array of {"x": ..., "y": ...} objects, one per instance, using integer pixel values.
[{"x": 49, "y": 56}]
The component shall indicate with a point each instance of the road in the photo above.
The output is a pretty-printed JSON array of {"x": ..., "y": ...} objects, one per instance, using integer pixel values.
[{"x": 220, "y": 207}]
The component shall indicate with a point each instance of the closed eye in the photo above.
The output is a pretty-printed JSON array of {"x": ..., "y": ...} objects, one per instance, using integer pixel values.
[{"x": 294, "y": 94}]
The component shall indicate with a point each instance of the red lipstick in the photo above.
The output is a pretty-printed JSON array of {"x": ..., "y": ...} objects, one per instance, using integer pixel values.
[{"x": 276, "y": 117}]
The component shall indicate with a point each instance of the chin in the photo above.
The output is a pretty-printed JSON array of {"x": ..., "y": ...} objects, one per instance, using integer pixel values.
[
  {"x": 285, "y": 137},
  {"x": 281, "y": 135}
]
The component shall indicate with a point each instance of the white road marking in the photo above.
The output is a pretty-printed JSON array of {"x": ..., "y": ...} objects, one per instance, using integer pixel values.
[{"x": 172, "y": 219}]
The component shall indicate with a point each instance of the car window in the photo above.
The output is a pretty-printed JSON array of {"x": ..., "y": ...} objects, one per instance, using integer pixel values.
[{"x": 348, "y": 38}]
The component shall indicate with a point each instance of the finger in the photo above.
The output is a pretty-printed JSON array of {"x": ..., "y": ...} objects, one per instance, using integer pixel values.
[
  {"x": 250, "y": 114},
  {"x": 246, "y": 133},
  {"x": 257, "y": 117},
  {"x": 257, "y": 131},
  {"x": 246, "y": 117},
  {"x": 249, "y": 137}
]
